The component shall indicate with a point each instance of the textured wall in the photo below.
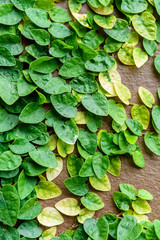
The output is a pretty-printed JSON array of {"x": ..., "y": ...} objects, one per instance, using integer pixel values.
[{"x": 147, "y": 178}]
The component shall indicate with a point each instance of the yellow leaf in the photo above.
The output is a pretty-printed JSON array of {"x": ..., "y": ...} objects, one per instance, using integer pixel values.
[
  {"x": 68, "y": 206},
  {"x": 52, "y": 173},
  {"x": 50, "y": 217}
]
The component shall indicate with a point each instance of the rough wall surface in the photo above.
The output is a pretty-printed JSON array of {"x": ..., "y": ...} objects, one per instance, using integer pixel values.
[{"x": 147, "y": 178}]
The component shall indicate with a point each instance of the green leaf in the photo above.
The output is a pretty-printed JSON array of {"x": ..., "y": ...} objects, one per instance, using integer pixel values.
[
  {"x": 41, "y": 36},
  {"x": 23, "y": 5},
  {"x": 9, "y": 205},
  {"x": 157, "y": 62},
  {"x": 121, "y": 200},
  {"x": 77, "y": 185},
  {"x": 116, "y": 111},
  {"x": 38, "y": 17},
  {"x": 84, "y": 83},
  {"x": 36, "y": 50},
  {"x": 29, "y": 210},
  {"x": 73, "y": 67},
  {"x": 97, "y": 229},
  {"x": 155, "y": 116},
  {"x": 129, "y": 190},
  {"x": 100, "y": 164},
  {"x": 21, "y": 146},
  {"x": 93, "y": 122},
  {"x": 24, "y": 87},
  {"x": 58, "y": 30},
  {"x": 6, "y": 58},
  {"x": 92, "y": 201},
  {"x": 96, "y": 103},
  {"x": 144, "y": 194},
  {"x": 88, "y": 140},
  {"x": 74, "y": 164},
  {"x": 93, "y": 39},
  {"x": 150, "y": 46},
  {"x": 67, "y": 131},
  {"x": 8, "y": 90},
  {"x": 9, "y": 161},
  {"x": 102, "y": 62},
  {"x": 58, "y": 14},
  {"x": 138, "y": 159},
  {"x": 32, "y": 168},
  {"x": 152, "y": 141},
  {"x": 9, "y": 15},
  {"x": 129, "y": 228},
  {"x": 157, "y": 227},
  {"x": 111, "y": 45},
  {"x": 57, "y": 85},
  {"x": 133, "y": 6},
  {"x": 144, "y": 25},
  {"x": 7, "y": 121},
  {"x": 25, "y": 185},
  {"x": 157, "y": 6},
  {"x": 59, "y": 48},
  {"x": 87, "y": 169},
  {"x": 30, "y": 229},
  {"x": 141, "y": 206},
  {"x": 135, "y": 126},
  {"x": 10, "y": 233},
  {"x": 44, "y": 157},
  {"x": 11, "y": 42},
  {"x": 32, "y": 113},
  {"x": 65, "y": 104},
  {"x": 80, "y": 234},
  {"x": 44, "y": 65},
  {"x": 45, "y": 4},
  {"x": 120, "y": 32},
  {"x": 106, "y": 143}
]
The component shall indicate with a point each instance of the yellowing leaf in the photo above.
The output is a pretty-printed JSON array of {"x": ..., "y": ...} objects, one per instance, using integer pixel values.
[
  {"x": 80, "y": 118},
  {"x": 146, "y": 96},
  {"x": 107, "y": 79},
  {"x": 125, "y": 54},
  {"x": 48, "y": 234},
  {"x": 85, "y": 214},
  {"x": 123, "y": 92},
  {"x": 52, "y": 144},
  {"x": 82, "y": 19},
  {"x": 140, "y": 57},
  {"x": 141, "y": 206},
  {"x": 47, "y": 190},
  {"x": 102, "y": 184},
  {"x": 102, "y": 10},
  {"x": 68, "y": 206},
  {"x": 105, "y": 22},
  {"x": 141, "y": 114},
  {"x": 50, "y": 217},
  {"x": 52, "y": 173},
  {"x": 134, "y": 38},
  {"x": 64, "y": 148},
  {"x": 78, "y": 95}
]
